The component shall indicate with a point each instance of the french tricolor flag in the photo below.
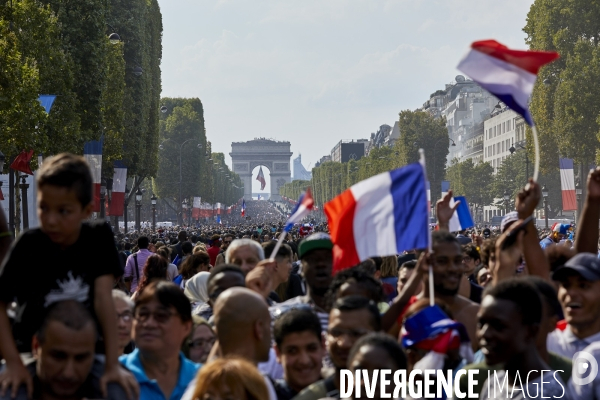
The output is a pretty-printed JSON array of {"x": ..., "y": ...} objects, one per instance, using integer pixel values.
[
  {"x": 117, "y": 202},
  {"x": 567, "y": 184},
  {"x": 507, "y": 74},
  {"x": 304, "y": 206},
  {"x": 461, "y": 219},
  {"x": 381, "y": 216},
  {"x": 243, "y": 208},
  {"x": 92, "y": 152}
]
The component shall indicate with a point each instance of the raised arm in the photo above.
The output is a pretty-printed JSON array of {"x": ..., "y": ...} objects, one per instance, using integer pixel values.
[
  {"x": 586, "y": 240},
  {"x": 526, "y": 203}
]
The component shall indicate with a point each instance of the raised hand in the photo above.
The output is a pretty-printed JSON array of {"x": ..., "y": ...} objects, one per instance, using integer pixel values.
[
  {"x": 593, "y": 185},
  {"x": 528, "y": 199},
  {"x": 444, "y": 212}
]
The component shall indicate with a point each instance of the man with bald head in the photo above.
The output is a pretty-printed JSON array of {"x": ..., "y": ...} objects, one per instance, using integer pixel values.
[
  {"x": 243, "y": 327},
  {"x": 242, "y": 313}
]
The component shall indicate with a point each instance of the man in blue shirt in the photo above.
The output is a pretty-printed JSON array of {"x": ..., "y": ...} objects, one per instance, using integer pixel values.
[
  {"x": 559, "y": 231},
  {"x": 162, "y": 321}
]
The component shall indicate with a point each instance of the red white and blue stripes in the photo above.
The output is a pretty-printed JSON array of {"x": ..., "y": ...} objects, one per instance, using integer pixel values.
[
  {"x": 117, "y": 201},
  {"x": 567, "y": 184},
  {"x": 508, "y": 74},
  {"x": 92, "y": 152},
  {"x": 383, "y": 215}
]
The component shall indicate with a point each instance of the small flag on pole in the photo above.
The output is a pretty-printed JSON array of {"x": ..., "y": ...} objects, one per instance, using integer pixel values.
[
  {"x": 461, "y": 219},
  {"x": 506, "y": 73},
  {"x": 303, "y": 208}
]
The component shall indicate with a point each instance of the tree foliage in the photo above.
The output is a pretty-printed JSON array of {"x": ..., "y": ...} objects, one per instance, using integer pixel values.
[
  {"x": 419, "y": 130},
  {"x": 474, "y": 181},
  {"x": 566, "y": 97},
  {"x": 203, "y": 173}
]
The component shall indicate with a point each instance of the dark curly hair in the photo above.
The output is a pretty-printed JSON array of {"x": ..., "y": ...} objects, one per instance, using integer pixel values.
[
  {"x": 154, "y": 269},
  {"x": 354, "y": 275}
]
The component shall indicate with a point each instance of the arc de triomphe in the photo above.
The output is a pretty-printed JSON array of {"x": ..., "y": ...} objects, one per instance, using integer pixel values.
[{"x": 271, "y": 154}]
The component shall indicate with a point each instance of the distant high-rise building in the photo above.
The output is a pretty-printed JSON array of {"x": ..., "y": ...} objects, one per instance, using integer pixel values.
[
  {"x": 300, "y": 173},
  {"x": 347, "y": 150}
]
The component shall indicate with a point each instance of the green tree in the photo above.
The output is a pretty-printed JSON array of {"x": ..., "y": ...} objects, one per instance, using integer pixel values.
[
  {"x": 474, "y": 181},
  {"x": 183, "y": 144},
  {"x": 566, "y": 98},
  {"x": 420, "y": 130},
  {"x": 139, "y": 24}
]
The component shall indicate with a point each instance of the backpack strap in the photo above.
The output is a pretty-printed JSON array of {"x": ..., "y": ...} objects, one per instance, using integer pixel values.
[{"x": 137, "y": 268}]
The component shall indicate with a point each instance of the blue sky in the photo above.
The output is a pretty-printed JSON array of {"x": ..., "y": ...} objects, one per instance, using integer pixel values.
[{"x": 313, "y": 72}]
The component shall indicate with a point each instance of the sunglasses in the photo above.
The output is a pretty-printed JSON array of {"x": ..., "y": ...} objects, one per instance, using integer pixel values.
[{"x": 160, "y": 316}]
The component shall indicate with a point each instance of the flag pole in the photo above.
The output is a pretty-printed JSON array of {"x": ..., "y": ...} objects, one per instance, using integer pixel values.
[
  {"x": 536, "y": 146},
  {"x": 280, "y": 240},
  {"x": 431, "y": 289}
]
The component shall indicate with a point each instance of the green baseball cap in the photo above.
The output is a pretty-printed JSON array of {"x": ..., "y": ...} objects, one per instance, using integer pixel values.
[{"x": 319, "y": 240}]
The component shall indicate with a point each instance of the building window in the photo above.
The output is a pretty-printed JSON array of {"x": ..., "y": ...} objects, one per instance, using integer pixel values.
[{"x": 503, "y": 146}]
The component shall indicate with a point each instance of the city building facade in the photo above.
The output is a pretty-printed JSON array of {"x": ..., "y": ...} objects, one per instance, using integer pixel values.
[{"x": 346, "y": 150}]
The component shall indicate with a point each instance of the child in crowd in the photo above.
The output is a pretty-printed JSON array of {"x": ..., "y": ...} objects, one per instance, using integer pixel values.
[{"x": 65, "y": 259}]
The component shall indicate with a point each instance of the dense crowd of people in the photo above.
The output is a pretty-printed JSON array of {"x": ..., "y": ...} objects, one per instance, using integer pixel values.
[{"x": 218, "y": 312}]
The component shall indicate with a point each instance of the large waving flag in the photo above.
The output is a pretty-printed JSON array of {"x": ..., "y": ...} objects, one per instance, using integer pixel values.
[
  {"x": 92, "y": 151},
  {"x": 381, "y": 216},
  {"x": 567, "y": 184},
  {"x": 507, "y": 74},
  {"x": 303, "y": 208},
  {"x": 117, "y": 202},
  {"x": 261, "y": 179},
  {"x": 243, "y": 208}
]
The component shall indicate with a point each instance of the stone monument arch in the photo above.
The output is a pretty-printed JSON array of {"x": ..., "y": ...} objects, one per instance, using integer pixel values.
[{"x": 273, "y": 155}]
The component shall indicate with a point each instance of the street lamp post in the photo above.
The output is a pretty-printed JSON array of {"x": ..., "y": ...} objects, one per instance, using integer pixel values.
[
  {"x": 180, "y": 173},
  {"x": 125, "y": 211},
  {"x": 435, "y": 150},
  {"x": 138, "y": 208},
  {"x": 506, "y": 200},
  {"x": 578, "y": 196},
  {"x": 24, "y": 186},
  {"x": 153, "y": 201},
  {"x": 184, "y": 205},
  {"x": 102, "y": 198},
  {"x": 545, "y": 197}
]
